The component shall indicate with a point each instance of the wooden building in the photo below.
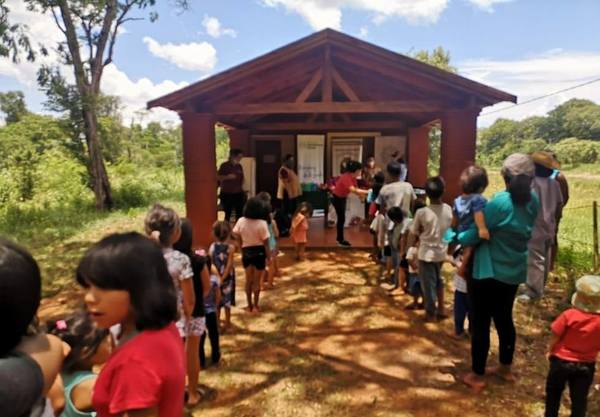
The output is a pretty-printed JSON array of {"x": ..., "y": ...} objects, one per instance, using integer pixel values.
[{"x": 351, "y": 93}]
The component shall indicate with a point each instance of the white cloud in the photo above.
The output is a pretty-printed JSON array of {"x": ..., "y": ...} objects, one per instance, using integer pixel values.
[
  {"x": 213, "y": 28},
  {"x": 535, "y": 76},
  {"x": 192, "y": 56},
  {"x": 363, "y": 32},
  {"x": 488, "y": 5},
  {"x": 321, "y": 14}
]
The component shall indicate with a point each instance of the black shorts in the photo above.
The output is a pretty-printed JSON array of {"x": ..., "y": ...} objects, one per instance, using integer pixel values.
[
  {"x": 387, "y": 250},
  {"x": 404, "y": 263},
  {"x": 254, "y": 256}
]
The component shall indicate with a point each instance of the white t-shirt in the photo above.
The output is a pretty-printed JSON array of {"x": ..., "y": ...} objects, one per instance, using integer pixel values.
[
  {"x": 430, "y": 224},
  {"x": 460, "y": 284},
  {"x": 252, "y": 231},
  {"x": 396, "y": 194},
  {"x": 411, "y": 255}
]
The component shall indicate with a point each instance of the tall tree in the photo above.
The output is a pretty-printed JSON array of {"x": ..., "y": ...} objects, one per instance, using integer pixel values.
[
  {"x": 90, "y": 29},
  {"x": 12, "y": 104},
  {"x": 13, "y": 37},
  {"x": 439, "y": 57}
]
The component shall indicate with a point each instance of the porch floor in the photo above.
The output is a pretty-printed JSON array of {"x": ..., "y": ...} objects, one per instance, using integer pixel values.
[{"x": 321, "y": 237}]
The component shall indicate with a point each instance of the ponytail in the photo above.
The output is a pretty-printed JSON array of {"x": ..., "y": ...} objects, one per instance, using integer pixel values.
[{"x": 519, "y": 188}]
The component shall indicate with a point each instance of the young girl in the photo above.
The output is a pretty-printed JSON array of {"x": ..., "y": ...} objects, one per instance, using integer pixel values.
[
  {"x": 90, "y": 346},
  {"x": 128, "y": 284},
  {"x": 252, "y": 234},
  {"x": 211, "y": 302},
  {"x": 414, "y": 284},
  {"x": 163, "y": 225},
  {"x": 272, "y": 264},
  {"x": 221, "y": 253},
  {"x": 196, "y": 326},
  {"x": 300, "y": 228}
]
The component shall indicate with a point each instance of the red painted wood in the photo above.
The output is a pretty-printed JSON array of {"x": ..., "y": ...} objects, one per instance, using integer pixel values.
[
  {"x": 459, "y": 133},
  {"x": 240, "y": 139},
  {"x": 199, "y": 160},
  {"x": 418, "y": 155}
]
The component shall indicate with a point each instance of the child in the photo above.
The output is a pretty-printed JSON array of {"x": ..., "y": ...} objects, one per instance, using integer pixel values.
[
  {"x": 395, "y": 228},
  {"x": 221, "y": 253},
  {"x": 196, "y": 325},
  {"x": 414, "y": 284},
  {"x": 90, "y": 346},
  {"x": 252, "y": 234},
  {"x": 211, "y": 303},
  {"x": 378, "y": 181},
  {"x": 574, "y": 347},
  {"x": 461, "y": 299},
  {"x": 272, "y": 264},
  {"x": 300, "y": 228},
  {"x": 163, "y": 225},
  {"x": 128, "y": 284},
  {"x": 468, "y": 210},
  {"x": 430, "y": 224}
]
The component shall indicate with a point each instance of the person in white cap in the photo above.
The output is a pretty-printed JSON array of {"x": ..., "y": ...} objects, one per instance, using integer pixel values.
[
  {"x": 573, "y": 349},
  {"x": 544, "y": 231}
]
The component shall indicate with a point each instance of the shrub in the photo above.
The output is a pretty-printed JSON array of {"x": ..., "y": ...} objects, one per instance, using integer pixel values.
[{"x": 576, "y": 151}]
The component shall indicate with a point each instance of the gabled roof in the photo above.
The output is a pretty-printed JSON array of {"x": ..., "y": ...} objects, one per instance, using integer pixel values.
[{"x": 280, "y": 75}]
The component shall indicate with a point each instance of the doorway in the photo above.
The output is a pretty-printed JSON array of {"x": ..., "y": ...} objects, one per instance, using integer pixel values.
[{"x": 268, "y": 162}]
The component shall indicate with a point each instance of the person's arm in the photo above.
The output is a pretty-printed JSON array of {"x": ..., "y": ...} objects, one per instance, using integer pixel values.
[
  {"x": 189, "y": 298},
  {"x": 217, "y": 296},
  {"x": 554, "y": 339},
  {"x": 205, "y": 278},
  {"x": 229, "y": 265},
  {"x": 221, "y": 176},
  {"x": 358, "y": 191},
  {"x": 48, "y": 351},
  {"x": 482, "y": 229},
  {"x": 564, "y": 187},
  {"x": 275, "y": 229}
]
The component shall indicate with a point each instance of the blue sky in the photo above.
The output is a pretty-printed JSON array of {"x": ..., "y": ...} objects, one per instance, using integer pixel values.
[{"x": 526, "y": 47}]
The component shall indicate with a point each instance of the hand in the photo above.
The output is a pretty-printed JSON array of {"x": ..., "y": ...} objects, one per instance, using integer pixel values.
[
  {"x": 484, "y": 234},
  {"x": 231, "y": 176}
]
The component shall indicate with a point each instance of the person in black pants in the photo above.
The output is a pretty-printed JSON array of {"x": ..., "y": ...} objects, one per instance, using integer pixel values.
[
  {"x": 211, "y": 302},
  {"x": 231, "y": 181},
  {"x": 345, "y": 184}
]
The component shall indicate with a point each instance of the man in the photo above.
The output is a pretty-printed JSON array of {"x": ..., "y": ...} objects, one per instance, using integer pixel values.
[
  {"x": 288, "y": 186},
  {"x": 231, "y": 180},
  {"x": 544, "y": 229}
]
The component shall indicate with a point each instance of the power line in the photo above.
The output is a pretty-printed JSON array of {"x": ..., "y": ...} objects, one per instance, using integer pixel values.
[{"x": 595, "y": 80}]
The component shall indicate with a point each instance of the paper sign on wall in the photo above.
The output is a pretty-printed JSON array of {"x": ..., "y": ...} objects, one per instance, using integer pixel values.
[{"x": 311, "y": 151}]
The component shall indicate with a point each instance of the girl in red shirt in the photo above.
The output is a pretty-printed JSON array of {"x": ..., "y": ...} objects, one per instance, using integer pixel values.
[
  {"x": 128, "y": 284},
  {"x": 346, "y": 184}
]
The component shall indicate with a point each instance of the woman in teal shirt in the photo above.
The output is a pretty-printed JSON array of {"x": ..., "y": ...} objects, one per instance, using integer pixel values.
[{"x": 499, "y": 267}]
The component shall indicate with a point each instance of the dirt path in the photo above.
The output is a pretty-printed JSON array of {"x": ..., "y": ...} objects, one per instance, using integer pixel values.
[{"x": 329, "y": 342}]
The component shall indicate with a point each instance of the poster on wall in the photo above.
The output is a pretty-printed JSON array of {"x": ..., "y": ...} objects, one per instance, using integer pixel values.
[
  {"x": 389, "y": 148},
  {"x": 311, "y": 151},
  {"x": 249, "y": 167},
  {"x": 342, "y": 148}
]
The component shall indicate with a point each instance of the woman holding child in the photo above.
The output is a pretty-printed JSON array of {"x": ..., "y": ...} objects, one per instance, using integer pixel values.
[{"x": 500, "y": 265}]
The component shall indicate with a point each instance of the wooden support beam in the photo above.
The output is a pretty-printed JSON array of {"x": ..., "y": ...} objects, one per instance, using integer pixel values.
[
  {"x": 310, "y": 87},
  {"x": 344, "y": 86},
  {"x": 327, "y": 84},
  {"x": 324, "y": 126},
  {"x": 399, "y": 106},
  {"x": 346, "y": 118}
]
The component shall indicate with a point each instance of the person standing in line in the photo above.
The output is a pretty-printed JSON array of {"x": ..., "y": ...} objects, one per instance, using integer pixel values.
[
  {"x": 288, "y": 186},
  {"x": 564, "y": 190},
  {"x": 346, "y": 184},
  {"x": 231, "y": 181},
  {"x": 544, "y": 230}
]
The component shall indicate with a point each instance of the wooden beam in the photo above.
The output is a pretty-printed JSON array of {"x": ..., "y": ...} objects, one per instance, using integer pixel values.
[
  {"x": 327, "y": 84},
  {"x": 345, "y": 117},
  {"x": 344, "y": 86},
  {"x": 324, "y": 126},
  {"x": 399, "y": 106},
  {"x": 310, "y": 87}
]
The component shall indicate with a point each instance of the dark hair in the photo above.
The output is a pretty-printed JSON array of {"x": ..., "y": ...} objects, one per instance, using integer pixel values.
[
  {"x": 264, "y": 196},
  {"x": 542, "y": 171},
  {"x": 353, "y": 166},
  {"x": 394, "y": 169},
  {"x": 265, "y": 199},
  {"x": 434, "y": 187},
  {"x": 20, "y": 292},
  {"x": 519, "y": 188},
  {"x": 133, "y": 263},
  {"x": 396, "y": 214},
  {"x": 379, "y": 178},
  {"x": 184, "y": 244},
  {"x": 235, "y": 152},
  {"x": 474, "y": 179},
  {"x": 377, "y": 186},
  {"x": 255, "y": 208},
  {"x": 418, "y": 204},
  {"x": 305, "y": 205},
  {"x": 221, "y": 230},
  {"x": 81, "y": 334},
  {"x": 163, "y": 220}
]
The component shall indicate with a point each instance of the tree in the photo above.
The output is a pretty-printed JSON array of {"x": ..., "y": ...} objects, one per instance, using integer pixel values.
[
  {"x": 90, "y": 30},
  {"x": 12, "y": 104},
  {"x": 439, "y": 57},
  {"x": 13, "y": 38}
]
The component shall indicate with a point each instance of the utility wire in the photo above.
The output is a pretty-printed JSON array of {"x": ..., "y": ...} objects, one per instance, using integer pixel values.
[{"x": 595, "y": 80}]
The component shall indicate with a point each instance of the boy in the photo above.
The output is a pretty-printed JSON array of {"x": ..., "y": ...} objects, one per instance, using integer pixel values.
[{"x": 429, "y": 225}]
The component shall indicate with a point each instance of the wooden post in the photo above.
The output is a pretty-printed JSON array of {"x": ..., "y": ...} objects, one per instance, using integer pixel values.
[
  {"x": 418, "y": 155},
  {"x": 200, "y": 172},
  {"x": 596, "y": 256},
  {"x": 457, "y": 151}
]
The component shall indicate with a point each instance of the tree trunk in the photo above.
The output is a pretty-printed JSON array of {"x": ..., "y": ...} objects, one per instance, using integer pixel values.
[{"x": 100, "y": 182}]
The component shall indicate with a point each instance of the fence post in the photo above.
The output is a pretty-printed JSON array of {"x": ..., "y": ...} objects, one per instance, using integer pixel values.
[{"x": 596, "y": 255}]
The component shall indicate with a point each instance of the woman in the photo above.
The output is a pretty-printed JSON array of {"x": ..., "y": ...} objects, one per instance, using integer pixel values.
[
  {"x": 288, "y": 186},
  {"x": 345, "y": 184},
  {"x": 499, "y": 267}
]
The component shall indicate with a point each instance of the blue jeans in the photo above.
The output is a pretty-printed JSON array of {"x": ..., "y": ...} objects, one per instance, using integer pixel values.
[
  {"x": 461, "y": 310},
  {"x": 431, "y": 281}
]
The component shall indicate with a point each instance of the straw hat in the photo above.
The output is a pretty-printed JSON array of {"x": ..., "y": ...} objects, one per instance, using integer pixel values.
[
  {"x": 587, "y": 297},
  {"x": 545, "y": 159}
]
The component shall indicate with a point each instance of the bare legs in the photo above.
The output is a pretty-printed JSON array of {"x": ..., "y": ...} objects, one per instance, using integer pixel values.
[
  {"x": 253, "y": 280},
  {"x": 193, "y": 369}
]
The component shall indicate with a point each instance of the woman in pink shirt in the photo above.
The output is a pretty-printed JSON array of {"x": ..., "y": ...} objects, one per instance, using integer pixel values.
[{"x": 346, "y": 184}]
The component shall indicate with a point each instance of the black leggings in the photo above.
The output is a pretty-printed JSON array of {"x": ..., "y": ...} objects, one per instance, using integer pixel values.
[
  {"x": 339, "y": 204},
  {"x": 579, "y": 376},
  {"x": 231, "y": 202},
  {"x": 212, "y": 328},
  {"x": 491, "y": 299}
]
